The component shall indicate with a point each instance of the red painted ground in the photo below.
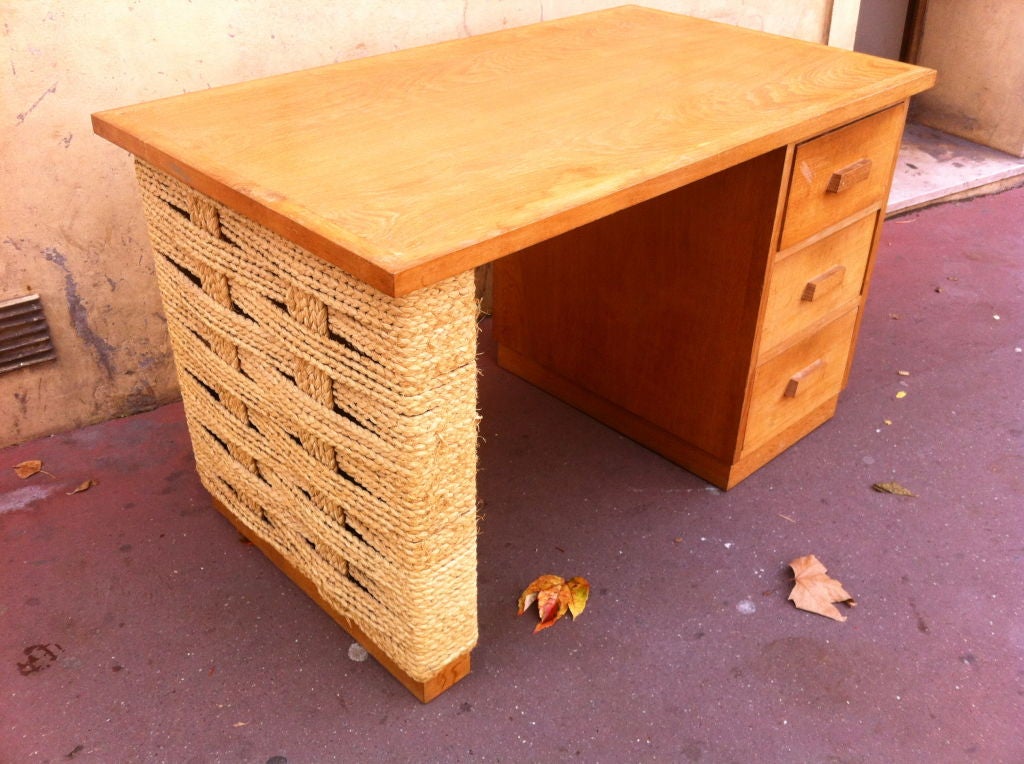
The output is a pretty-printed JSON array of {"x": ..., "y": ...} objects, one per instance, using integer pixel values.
[{"x": 138, "y": 627}]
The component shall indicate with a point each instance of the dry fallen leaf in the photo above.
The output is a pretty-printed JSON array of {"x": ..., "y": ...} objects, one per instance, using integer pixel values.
[
  {"x": 530, "y": 592},
  {"x": 579, "y": 588},
  {"x": 552, "y": 604},
  {"x": 894, "y": 488},
  {"x": 554, "y": 596},
  {"x": 83, "y": 486},
  {"x": 29, "y": 468},
  {"x": 814, "y": 591}
]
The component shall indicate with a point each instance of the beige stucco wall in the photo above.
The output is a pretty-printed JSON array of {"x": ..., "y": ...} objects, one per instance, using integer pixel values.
[
  {"x": 978, "y": 49},
  {"x": 70, "y": 223}
]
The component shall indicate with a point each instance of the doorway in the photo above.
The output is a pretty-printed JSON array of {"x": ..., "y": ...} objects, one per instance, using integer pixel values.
[{"x": 934, "y": 165}]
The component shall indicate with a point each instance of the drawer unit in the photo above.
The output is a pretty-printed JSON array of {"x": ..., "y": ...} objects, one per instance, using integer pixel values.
[
  {"x": 798, "y": 380},
  {"x": 808, "y": 284},
  {"x": 840, "y": 173},
  {"x": 750, "y": 308}
]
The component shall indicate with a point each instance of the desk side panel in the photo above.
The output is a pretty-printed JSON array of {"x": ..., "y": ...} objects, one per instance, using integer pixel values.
[{"x": 335, "y": 425}]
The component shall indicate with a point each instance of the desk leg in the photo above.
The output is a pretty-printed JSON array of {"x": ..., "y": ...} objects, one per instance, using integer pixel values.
[{"x": 333, "y": 425}]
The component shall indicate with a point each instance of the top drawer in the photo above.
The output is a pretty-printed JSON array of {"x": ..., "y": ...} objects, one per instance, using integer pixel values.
[{"x": 840, "y": 173}]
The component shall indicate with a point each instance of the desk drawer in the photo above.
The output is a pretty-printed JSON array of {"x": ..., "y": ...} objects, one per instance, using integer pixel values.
[
  {"x": 840, "y": 173},
  {"x": 812, "y": 282},
  {"x": 798, "y": 380}
]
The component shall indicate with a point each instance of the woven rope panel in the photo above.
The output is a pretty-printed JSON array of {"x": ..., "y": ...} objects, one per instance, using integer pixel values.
[{"x": 336, "y": 423}]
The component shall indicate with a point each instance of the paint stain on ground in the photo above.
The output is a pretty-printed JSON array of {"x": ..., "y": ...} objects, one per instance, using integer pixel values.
[
  {"x": 819, "y": 675},
  {"x": 24, "y": 498},
  {"x": 38, "y": 658}
]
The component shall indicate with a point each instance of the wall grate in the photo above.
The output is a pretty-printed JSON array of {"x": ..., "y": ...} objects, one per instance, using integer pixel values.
[{"x": 24, "y": 334}]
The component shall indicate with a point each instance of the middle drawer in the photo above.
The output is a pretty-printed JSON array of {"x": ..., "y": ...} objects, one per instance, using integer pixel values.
[{"x": 812, "y": 282}]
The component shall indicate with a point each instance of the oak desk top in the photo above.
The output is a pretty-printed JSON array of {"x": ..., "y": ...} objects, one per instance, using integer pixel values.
[{"x": 406, "y": 168}]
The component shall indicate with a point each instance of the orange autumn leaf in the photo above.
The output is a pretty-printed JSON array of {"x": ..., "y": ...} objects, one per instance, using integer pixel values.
[
  {"x": 554, "y": 597},
  {"x": 552, "y": 604},
  {"x": 814, "y": 591},
  {"x": 530, "y": 593},
  {"x": 28, "y": 469}
]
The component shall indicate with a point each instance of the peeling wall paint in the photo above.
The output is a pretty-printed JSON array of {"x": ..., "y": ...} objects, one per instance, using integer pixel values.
[{"x": 71, "y": 225}]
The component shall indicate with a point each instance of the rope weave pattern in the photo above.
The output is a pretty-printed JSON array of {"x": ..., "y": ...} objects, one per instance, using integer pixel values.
[{"x": 338, "y": 424}]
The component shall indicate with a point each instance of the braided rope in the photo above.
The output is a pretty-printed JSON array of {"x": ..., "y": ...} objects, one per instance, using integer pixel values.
[{"x": 338, "y": 424}]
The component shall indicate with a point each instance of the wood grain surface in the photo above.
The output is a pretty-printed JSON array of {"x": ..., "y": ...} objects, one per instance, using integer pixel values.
[{"x": 409, "y": 167}]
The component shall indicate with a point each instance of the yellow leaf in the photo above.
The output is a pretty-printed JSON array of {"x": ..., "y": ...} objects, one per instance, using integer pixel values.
[
  {"x": 901, "y": 394},
  {"x": 83, "y": 486},
  {"x": 814, "y": 591},
  {"x": 894, "y": 488},
  {"x": 579, "y": 589}
]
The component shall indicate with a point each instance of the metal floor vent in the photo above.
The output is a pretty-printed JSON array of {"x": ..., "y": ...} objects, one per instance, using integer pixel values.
[{"x": 24, "y": 334}]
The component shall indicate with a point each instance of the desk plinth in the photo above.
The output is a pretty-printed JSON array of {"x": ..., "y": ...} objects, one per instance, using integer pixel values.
[{"x": 693, "y": 258}]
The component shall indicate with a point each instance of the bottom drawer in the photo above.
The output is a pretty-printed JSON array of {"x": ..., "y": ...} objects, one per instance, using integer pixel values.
[{"x": 797, "y": 381}]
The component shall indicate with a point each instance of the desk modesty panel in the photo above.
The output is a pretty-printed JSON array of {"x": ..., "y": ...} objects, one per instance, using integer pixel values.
[{"x": 683, "y": 215}]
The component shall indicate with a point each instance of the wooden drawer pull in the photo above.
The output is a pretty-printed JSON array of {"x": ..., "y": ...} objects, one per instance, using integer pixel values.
[
  {"x": 823, "y": 283},
  {"x": 849, "y": 175},
  {"x": 800, "y": 380}
]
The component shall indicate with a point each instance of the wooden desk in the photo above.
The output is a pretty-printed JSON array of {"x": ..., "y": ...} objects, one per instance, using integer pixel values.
[{"x": 682, "y": 215}]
